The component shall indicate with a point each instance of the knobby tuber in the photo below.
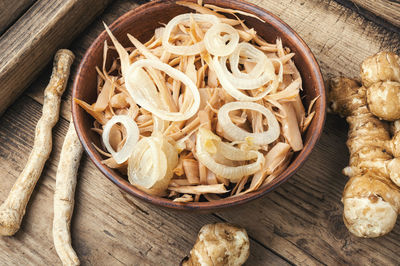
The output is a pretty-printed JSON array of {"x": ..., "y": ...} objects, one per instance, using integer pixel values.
[
  {"x": 219, "y": 244},
  {"x": 371, "y": 197},
  {"x": 13, "y": 208}
]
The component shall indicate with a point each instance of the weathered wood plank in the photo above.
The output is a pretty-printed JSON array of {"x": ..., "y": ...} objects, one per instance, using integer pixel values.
[
  {"x": 32, "y": 41},
  {"x": 339, "y": 38},
  {"x": 387, "y": 10},
  {"x": 79, "y": 47},
  {"x": 301, "y": 220},
  {"x": 10, "y": 11},
  {"x": 108, "y": 227}
]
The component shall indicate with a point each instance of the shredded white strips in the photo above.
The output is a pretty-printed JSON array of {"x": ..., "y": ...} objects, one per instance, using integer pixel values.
[{"x": 206, "y": 107}]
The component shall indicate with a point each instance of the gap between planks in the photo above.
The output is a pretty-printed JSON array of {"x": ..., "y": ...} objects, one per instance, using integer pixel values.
[
  {"x": 11, "y": 11},
  {"x": 385, "y": 13}
]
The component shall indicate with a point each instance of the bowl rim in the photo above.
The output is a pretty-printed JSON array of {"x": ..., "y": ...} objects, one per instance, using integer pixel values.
[{"x": 294, "y": 166}]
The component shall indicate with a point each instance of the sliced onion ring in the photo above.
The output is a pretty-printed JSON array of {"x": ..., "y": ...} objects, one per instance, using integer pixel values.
[
  {"x": 234, "y": 81},
  {"x": 132, "y": 132},
  {"x": 137, "y": 88},
  {"x": 235, "y": 133},
  {"x": 216, "y": 44},
  {"x": 235, "y": 92},
  {"x": 190, "y": 49},
  {"x": 151, "y": 164},
  {"x": 233, "y": 173},
  {"x": 232, "y": 153},
  {"x": 250, "y": 83},
  {"x": 148, "y": 163},
  {"x": 253, "y": 55}
]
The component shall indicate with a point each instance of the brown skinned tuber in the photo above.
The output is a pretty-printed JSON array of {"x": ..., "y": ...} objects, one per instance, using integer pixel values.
[
  {"x": 382, "y": 66},
  {"x": 380, "y": 74},
  {"x": 371, "y": 197},
  {"x": 219, "y": 244},
  {"x": 384, "y": 100}
]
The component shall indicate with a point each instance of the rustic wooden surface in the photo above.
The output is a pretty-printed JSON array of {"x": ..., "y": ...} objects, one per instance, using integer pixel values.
[
  {"x": 30, "y": 43},
  {"x": 10, "y": 10},
  {"x": 299, "y": 223},
  {"x": 382, "y": 12},
  {"x": 389, "y": 10}
]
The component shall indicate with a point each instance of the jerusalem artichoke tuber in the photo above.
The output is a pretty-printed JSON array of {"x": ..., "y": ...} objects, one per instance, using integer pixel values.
[
  {"x": 384, "y": 100},
  {"x": 371, "y": 197},
  {"x": 380, "y": 67},
  {"x": 219, "y": 244}
]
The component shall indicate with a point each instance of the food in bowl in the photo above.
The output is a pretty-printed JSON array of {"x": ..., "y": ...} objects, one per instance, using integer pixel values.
[{"x": 205, "y": 109}]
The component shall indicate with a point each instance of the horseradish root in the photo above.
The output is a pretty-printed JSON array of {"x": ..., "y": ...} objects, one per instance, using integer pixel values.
[
  {"x": 13, "y": 208},
  {"x": 371, "y": 197},
  {"x": 64, "y": 196},
  {"x": 220, "y": 244}
]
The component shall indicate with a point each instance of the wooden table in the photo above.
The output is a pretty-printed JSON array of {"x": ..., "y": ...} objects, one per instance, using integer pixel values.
[{"x": 298, "y": 223}]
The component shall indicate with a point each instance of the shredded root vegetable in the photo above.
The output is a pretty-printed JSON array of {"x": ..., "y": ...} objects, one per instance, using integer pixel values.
[{"x": 218, "y": 109}]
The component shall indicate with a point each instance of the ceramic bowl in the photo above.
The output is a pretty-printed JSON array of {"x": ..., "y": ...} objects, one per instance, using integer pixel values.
[{"x": 141, "y": 23}]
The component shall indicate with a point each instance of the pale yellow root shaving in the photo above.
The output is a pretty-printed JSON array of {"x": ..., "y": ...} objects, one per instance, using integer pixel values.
[
  {"x": 190, "y": 176},
  {"x": 64, "y": 196},
  {"x": 13, "y": 208}
]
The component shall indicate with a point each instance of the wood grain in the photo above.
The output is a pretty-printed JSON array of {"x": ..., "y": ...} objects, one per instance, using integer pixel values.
[
  {"x": 299, "y": 223},
  {"x": 388, "y": 10},
  {"x": 31, "y": 42},
  {"x": 339, "y": 38},
  {"x": 11, "y": 10}
]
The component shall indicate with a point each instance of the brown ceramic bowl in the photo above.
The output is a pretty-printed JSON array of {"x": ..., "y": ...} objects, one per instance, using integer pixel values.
[{"x": 141, "y": 23}]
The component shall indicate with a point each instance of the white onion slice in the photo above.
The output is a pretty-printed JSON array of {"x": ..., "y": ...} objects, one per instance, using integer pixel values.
[
  {"x": 233, "y": 173},
  {"x": 232, "y": 153},
  {"x": 142, "y": 91},
  {"x": 234, "y": 81},
  {"x": 250, "y": 82},
  {"x": 235, "y": 133},
  {"x": 132, "y": 137},
  {"x": 235, "y": 92},
  {"x": 253, "y": 55},
  {"x": 148, "y": 88},
  {"x": 159, "y": 125},
  {"x": 280, "y": 74},
  {"x": 151, "y": 164},
  {"x": 190, "y": 49},
  {"x": 216, "y": 44},
  {"x": 148, "y": 163}
]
